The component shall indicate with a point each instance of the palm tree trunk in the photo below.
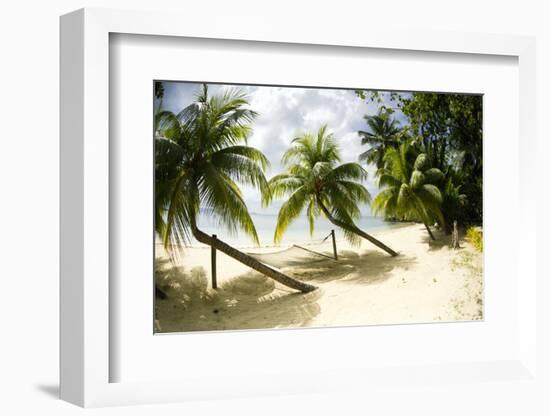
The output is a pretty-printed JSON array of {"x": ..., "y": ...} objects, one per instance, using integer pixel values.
[
  {"x": 251, "y": 262},
  {"x": 429, "y": 231},
  {"x": 356, "y": 230}
]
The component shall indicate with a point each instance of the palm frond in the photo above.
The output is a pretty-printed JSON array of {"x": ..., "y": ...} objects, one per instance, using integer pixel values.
[
  {"x": 348, "y": 171},
  {"x": 396, "y": 163},
  {"x": 289, "y": 211},
  {"x": 408, "y": 190},
  {"x": 434, "y": 176},
  {"x": 283, "y": 184},
  {"x": 385, "y": 203},
  {"x": 219, "y": 193}
]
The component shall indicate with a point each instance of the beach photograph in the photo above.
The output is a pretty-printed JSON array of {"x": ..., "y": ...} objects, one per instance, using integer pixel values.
[{"x": 280, "y": 207}]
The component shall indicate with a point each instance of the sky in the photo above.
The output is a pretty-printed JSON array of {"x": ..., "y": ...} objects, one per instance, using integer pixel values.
[{"x": 285, "y": 112}]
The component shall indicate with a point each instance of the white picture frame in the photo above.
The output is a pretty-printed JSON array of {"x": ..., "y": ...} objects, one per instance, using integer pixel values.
[{"x": 85, "y": 264}]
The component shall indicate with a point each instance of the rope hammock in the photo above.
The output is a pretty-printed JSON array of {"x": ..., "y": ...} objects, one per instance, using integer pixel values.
[
  {"x": 310, "y": 252},
  {"x": 295, "y": 255}
]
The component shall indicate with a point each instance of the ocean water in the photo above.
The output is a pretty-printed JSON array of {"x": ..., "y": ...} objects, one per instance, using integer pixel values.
[{"x": 297, "y": 232}]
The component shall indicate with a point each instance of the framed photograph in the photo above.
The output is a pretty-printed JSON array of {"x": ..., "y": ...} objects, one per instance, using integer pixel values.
[
  {"x": 283, "y": 212},
  {"x": 290, "y": 181}
]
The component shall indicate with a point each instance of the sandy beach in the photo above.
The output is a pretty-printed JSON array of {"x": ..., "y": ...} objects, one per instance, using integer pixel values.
[{"x": 427, "y": 282}]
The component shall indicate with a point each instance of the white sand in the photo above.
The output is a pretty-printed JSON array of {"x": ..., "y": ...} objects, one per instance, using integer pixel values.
[{"x": 427, "y": 282}]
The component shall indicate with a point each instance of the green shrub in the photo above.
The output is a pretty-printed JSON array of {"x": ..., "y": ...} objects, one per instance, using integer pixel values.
[{"x": 475, "y": 236}]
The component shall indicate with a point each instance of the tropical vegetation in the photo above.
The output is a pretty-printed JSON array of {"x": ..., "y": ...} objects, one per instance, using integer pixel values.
[
  {"x": 475, "y": 236},
  {"x": 409, "y": 187},
  {"x": 316, "y": 182},
  {"x": 445, "y": 131},
  {"x": 201, "y": 156},
  {"x": 384, "y": 133}
]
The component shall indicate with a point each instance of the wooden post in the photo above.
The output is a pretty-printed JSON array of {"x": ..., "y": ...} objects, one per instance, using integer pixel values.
[
  {"x": 213, "y": 265},
  {"x": 334, "y": 245},
  {"x": 454, "y": 239}
]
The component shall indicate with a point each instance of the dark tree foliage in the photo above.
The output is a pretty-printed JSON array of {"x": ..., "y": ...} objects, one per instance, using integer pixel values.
[
  {"x": 159, "y": 90},
  {"x": 448, "y": 128}
]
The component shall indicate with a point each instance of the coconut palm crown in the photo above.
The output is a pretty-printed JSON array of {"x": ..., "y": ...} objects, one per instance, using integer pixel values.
[
  {"x": 384, "y": 132},
  {"x": 201, "y": 157},
  {"x": 409, "y": 188},
  {"x": 316, "y": 182}
]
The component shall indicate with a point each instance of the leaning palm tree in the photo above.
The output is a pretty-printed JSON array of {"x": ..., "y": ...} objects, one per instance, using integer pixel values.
[
  {"x": 200, "y": 156},
  {"x": 383, "y": 133},
  {"x": 409, "y": 190},
  {"x": 314, "y": 181}
]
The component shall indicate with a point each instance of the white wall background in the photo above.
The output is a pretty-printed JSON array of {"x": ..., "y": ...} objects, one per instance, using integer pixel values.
[{"x": 29, "y": 185}]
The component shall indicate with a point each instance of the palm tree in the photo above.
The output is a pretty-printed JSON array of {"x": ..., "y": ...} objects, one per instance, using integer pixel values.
[
  {"x": 409, "y": 191},
  {"x": 384, "y": 133},
  {"x": 159, "y": 93},
  {"x": 199, "y": 159},
  {"x": 454, "y": 201},
  {"x": 314, "y": 181}
]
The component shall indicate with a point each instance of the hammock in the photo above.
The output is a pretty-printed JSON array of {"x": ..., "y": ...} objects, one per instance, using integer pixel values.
[{"x": 295, "y": 255}]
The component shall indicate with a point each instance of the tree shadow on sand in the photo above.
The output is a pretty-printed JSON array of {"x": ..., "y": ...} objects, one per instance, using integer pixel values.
[
  {"x": 368, "y": 268},
  {"x": 253, "y": 301},
  {"x": 250, "y": 301}
]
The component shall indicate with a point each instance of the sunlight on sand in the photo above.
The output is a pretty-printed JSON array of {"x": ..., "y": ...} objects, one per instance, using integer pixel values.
[{"x": 427, "y": 282}]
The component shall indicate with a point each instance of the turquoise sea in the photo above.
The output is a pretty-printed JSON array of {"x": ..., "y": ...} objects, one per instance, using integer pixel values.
[{"x": 297, "y": 232}]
